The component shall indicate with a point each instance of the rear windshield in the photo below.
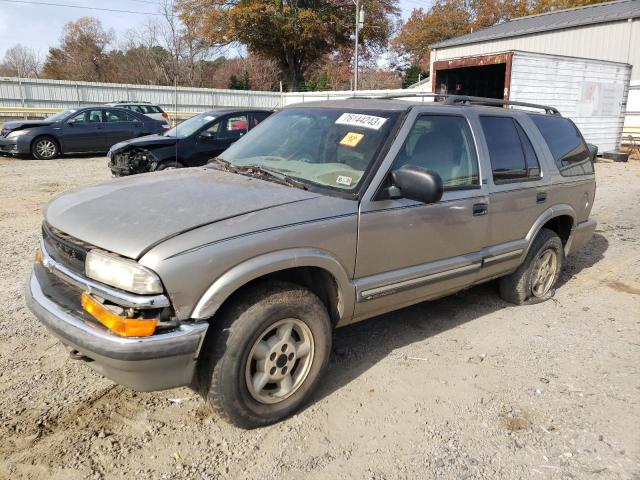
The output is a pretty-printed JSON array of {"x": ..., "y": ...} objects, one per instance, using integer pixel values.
[{"x": 567, "y": 146}]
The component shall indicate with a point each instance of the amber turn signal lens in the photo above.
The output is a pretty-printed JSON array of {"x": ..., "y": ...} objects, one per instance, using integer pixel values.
[
  {"x": 123, "y": 326},
  {"x": 39, "y": 255}
]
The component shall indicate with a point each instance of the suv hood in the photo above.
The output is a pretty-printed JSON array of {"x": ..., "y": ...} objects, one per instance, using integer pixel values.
[
  {"x": 20, "y": 124},
  {"x": 131, "y": 215},
  {"x": 146, "y": 141}
]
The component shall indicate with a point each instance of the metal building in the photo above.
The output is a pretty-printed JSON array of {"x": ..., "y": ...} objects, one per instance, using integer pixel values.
[{"x": 586, "y": 60}]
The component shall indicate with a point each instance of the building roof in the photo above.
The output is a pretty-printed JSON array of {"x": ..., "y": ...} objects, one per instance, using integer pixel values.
[{"x": 557, "y": 20}]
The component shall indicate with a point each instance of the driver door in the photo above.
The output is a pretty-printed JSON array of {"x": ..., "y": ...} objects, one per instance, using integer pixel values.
[
  {"x": 410, "y": 251},
  {"x": 82, "y": 132}
]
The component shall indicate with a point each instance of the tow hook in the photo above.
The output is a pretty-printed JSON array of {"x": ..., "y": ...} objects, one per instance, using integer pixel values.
[{"x": 76, "y": 355}]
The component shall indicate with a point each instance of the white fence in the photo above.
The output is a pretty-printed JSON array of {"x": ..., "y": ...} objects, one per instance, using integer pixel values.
[{"x": 34, "y": 93}]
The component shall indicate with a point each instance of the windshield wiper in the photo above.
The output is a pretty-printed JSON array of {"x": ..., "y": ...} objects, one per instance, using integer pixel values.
[
  {"x": 226, "y": 166},
  {"x": 280, "y": 177},
  {"x": 273, "y": 174}
]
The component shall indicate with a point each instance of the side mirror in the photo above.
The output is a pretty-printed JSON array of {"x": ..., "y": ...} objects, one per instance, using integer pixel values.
[
  {"x": 416, "y": 183},
  {"x": 593, "y": 151},
  {"x": 207, "y": 135}
]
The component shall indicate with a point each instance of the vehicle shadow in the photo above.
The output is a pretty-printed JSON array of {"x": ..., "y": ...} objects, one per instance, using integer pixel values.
[
  {"x": 358, "y": 347},
  {"x": 584, "y": 258}
]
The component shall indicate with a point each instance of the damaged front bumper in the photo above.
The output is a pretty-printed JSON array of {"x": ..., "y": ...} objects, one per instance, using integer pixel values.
[
  {"x": 164, "y": 360},
  {"x": 130, "y": 162}
]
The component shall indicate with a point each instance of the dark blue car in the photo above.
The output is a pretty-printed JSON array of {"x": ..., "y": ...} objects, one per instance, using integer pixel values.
[{"x": 80, "y": 130}]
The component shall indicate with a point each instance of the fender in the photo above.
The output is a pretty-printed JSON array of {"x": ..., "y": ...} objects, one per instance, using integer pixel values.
[
  {"x": 256, "y": 267},
  {"x": 548, "y": 214}
]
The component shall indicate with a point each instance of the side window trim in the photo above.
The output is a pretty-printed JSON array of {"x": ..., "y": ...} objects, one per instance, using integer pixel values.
[{"x": 523, "y": 133}]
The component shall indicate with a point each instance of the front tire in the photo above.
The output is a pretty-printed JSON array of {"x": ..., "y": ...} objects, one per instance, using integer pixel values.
[
  {"x": 265, "y": 354},
  {"x": 535, "y": 280},
  {"x": 169, "y": 165},
  {"x": 45, "y": 148}
]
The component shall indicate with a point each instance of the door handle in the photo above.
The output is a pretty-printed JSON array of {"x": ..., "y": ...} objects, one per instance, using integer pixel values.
[
  {"x": 480, "y": 209},
  {"x": 541, "y": 197}
]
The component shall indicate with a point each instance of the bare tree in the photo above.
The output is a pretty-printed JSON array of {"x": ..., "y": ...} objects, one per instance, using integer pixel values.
[{"x": 20, "y": 61}]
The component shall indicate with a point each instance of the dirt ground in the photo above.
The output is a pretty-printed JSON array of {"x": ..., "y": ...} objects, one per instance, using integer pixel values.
[{"x": 464, "y": 387}]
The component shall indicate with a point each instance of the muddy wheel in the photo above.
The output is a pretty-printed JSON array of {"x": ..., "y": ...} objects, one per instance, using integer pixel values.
[
  {"x": 535, "y": 280},
  {"x": 265, "y": 354},
  {"x": 45, "y": 148}
]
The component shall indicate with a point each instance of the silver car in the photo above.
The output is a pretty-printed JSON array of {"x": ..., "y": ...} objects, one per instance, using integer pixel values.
[
  {"x": 145, "y": 108},
  {"x": 230, "y": 278}
]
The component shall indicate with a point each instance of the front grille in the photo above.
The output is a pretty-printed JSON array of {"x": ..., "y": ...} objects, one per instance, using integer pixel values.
[
  {"x": 4, "y": 132},
  {"x": 65, "y": 249},
  {"x": 121, "y": 160}
]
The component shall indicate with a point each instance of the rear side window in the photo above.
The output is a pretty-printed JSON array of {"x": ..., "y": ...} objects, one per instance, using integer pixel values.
[
  {"x": 258, "y": 117},
  {"x": 150, "y": 109},
  {"x": 510, "y": 151},
  {"x": 118, "y": 116},
  {"x": 567, "y": 146}
]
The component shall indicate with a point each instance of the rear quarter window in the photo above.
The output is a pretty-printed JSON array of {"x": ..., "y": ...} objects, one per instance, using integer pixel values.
[
  {"x": 567, "y": 146},
  {"x": 150, "y": 109}
]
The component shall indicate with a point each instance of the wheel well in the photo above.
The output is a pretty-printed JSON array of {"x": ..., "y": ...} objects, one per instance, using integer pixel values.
[
  {"x": 44, "y": 135},
  {"x": 316, "y": 279},
  {"x": 562, "y": 226}
]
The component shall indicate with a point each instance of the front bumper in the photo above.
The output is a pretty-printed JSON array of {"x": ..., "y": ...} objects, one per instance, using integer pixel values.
[
  {"x": 8, "y": 147},
  {"x": 163, "y": 360}
]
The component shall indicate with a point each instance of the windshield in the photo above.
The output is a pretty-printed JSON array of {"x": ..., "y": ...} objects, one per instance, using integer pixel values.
[
  {"x": 60, "y": 115},
  {"x": 325, "y": 146},
  {"x": 190, "y": 126}
]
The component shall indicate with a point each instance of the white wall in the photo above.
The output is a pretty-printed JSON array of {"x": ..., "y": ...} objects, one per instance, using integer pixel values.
[
  {"x": 592, "y": 93},
  {"x": 616, "y": 42}
]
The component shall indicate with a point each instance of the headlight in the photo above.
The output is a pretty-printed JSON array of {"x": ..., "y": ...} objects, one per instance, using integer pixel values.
[
  {"x": 121, "y": 273},
  {"x": 17, "y": 133}
]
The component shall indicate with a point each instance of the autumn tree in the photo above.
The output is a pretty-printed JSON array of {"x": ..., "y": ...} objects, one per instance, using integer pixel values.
[
  {"x": 20, "y": 61},
  {"x": 294, "y": 34},
  {"x": 451, "y": 18},
  {"x": 82, "y": 53}
]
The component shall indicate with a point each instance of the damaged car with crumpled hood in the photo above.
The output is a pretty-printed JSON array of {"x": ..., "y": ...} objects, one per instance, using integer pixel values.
[{"x": 191, "y": 143}]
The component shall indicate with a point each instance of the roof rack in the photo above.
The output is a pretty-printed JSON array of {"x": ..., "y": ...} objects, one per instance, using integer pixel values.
[
  {"x": 463, "y": 100},
  {"x": 401, "y": 95},
  {"x": 468, "y": 100},
  {"x": 130, "y": 101}
]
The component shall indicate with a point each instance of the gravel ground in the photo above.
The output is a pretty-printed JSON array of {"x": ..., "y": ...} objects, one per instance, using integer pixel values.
[{"x": 464, "y": 387}]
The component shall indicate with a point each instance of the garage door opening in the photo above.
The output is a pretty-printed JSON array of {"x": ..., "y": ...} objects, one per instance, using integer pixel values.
[
  {"x": 485, "y": 81},
  {"x": 482, "y": 76}
]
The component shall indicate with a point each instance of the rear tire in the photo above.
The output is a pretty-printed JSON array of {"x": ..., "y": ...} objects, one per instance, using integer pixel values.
[
  {"x": 45, "y": 148},
  {"x": 264, "y": 354},
  {"x": 534, "y": 281}
]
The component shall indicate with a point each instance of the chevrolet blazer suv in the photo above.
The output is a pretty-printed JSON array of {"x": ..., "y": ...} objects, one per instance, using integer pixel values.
[{"x": 230, "y": 278}]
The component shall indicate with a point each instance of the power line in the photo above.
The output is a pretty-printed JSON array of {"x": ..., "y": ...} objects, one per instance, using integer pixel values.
[
  {"x": 30, "y": 2},
  {"x": 145, "y": 1}
]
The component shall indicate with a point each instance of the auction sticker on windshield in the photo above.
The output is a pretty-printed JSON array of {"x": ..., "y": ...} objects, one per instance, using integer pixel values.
[
  {"x": 351, "y": 139},
  {"x": 359, "y": 120}
]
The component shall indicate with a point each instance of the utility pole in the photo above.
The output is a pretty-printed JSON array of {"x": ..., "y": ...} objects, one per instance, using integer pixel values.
[{"x": 359, "y": 25}]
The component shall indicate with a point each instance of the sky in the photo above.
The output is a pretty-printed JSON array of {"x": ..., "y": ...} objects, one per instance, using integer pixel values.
[{"x": 40, "y": 26}]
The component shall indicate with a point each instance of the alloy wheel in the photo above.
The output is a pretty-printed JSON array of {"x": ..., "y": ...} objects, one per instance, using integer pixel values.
[
  {"x": 544, "y": 272},
  {"x": 279, "y": 361},
  {"x": 46, "y": 148}
]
